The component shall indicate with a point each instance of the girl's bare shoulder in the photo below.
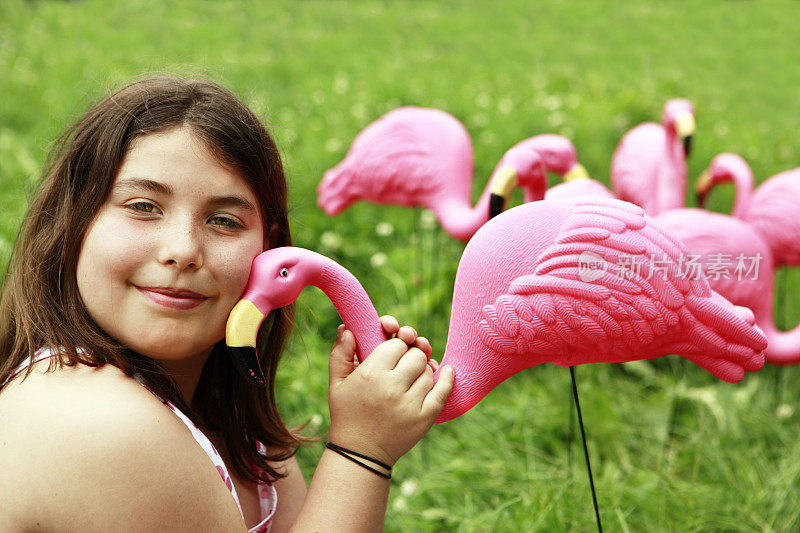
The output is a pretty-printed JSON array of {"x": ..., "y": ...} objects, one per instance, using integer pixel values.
[{"x": 91, "y": 447}]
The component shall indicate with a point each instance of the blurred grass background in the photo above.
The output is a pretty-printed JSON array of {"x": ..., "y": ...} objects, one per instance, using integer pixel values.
[{"x": 318, "y": 72}]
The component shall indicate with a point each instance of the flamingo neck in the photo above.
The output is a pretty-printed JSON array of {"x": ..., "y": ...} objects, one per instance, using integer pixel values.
[
  {"x": 461, "y": 220},
  {"x": 743, "y": 183},
  {"x": 783, "y": 347},
  {"x": 353, "y": 305}
]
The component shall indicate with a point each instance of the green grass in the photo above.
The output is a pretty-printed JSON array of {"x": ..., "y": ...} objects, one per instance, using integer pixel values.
[{"x": 318, "y": 72}]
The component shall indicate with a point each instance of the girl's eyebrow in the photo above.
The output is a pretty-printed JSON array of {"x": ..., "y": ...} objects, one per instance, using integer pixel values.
[{"x": 166, "y": 190}]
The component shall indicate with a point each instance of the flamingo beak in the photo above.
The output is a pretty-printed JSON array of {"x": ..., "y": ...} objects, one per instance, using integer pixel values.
[
  {"x": 241, "y": 332},
  {"x": 577, "y": 171},
  {"x": 504, "y": 182},
  {"x": 685, "y": 128},
  {"x": 702, "y": 187}
]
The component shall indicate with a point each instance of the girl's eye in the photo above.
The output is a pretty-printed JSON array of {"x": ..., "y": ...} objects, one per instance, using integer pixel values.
[
  {"x": 225, "y": 222},
  {"x": 142, "y": 207}
]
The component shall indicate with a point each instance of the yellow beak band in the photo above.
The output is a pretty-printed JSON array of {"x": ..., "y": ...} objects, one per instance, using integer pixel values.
[
  {"x": 703, "y": 182},
  {"x": 577, "y": 171},
  {"x": 685, "y": 125},
  {"x": 504, "y": 182},
  {"x": 243, "y": 323}
]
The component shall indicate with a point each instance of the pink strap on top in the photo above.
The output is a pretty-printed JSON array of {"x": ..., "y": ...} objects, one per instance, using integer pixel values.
[{"x": 267, "y": 496}]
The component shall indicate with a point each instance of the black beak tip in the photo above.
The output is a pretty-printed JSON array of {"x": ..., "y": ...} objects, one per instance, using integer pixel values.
[
  {"x": 246, "y": 361},
  {"x": 496, "y": 205},
  {"x": 687, "y": 145},
  {"x": 701, "y": 199}
]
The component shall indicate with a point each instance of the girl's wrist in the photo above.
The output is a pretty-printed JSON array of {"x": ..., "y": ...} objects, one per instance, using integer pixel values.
[
  {"x": 371, "y": 464},
  {"x": 365, "y": 469}
]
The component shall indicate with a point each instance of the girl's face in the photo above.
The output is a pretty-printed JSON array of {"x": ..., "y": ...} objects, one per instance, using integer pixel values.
[{"x": 168, "y": 254}]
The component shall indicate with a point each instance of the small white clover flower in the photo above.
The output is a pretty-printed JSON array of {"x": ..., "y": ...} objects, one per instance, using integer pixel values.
[
  {"x": 315, "y": 421},
  {"x": 384, "y": 229},
  {"x": 488, "y": 137},
  {"x": 378, "y": 260},
  {"x": 333, "y": 145},
  {"x": 318, "y": 97},
  {"x": 505, "y": 106},
  {"x": 784, "y": 411},
  {"x": 483, "y": 100},
  {"x": 399, "y": 504},
  {"x": 341, "y": 83},
  {"x": 552, "y": 102},
  {"x": 427, "y": 219},
  {"x": 331, "y": 240},
  {"x": 556, "y": 119},
  {"x": 409, "y": 488},
  {"x": 359, "y": 111}
]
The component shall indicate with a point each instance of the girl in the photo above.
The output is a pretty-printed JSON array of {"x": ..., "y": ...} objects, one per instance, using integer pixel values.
[{"x": 132, "y": 254}]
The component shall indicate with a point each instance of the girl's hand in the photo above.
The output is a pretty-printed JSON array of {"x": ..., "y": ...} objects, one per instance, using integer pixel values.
[{"x": 385, "y": 405}]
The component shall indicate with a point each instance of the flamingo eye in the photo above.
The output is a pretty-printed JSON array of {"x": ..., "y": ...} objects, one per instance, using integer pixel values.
[{"x": 284, "y": 273}]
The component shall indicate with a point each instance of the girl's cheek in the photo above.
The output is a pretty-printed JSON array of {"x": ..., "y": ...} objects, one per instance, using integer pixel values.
[
  {"x": 235, "y": 264},
  {"x": 116, "y": 243}
]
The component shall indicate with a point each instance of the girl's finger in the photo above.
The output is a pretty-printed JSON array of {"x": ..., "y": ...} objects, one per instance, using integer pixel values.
[
  {"x": 422, "y": 386},
  {"x": 407, "y": 334},
  {"x": 423, "y": 344},
  {"x": 436, "y": 398},
  {"x": 390, "y": 325},
  {"x": 434, "y": 364},
  {"x": 411, "y": 366}
]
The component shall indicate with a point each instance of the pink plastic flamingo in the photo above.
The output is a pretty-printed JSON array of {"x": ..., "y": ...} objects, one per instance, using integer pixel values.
[
  {"x": 558, "y": 156},
  {"x": 719, "y": 242},
  {"x": 542, "y": 282},
  {"x": 415, "y": 156},
  {"x": 579, "y": 186},
  {"x": 771, "y": 208},
  {"x": 649, "y": 165}
]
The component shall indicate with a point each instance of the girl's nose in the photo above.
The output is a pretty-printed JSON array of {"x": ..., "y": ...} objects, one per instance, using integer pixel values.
[{"x": 181, "y": 248}]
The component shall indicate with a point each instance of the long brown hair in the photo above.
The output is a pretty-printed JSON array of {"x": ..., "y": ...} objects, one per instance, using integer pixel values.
[{"x": 40, "y": 304}]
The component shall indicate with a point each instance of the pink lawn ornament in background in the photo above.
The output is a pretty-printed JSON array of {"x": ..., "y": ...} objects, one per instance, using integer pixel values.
[
  {"x": 580, "y": 186},
  {"x": 542, "y": 282},
  {"x": 771, "y": 208},
  {"x": 649, "y": 165},
  {"x": 558, "y": 156},
  {"x": 415, "y": 156},
  {"x": 737, "y": 263}
]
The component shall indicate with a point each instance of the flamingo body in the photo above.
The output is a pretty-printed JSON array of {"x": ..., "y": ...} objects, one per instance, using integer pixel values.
[
  {"x": 523, "y": 296},
  {"x": 773, "y": 212},
  {"x": 707, "y": 234},
  {"x": 578, "y": 187},
  {"x": 649, "y": 165},
  {"x": 770, "y": 208},
  {"x": 416, "y": 156}
]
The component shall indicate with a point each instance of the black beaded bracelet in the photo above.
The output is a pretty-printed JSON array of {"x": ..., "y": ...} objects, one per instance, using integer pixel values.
[{"x": 348, "y": 454}]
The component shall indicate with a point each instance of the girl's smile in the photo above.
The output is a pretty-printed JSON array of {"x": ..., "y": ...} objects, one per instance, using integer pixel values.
[
  {"x": 169, "y": 252},
  {"x": 179, "y": 299}
]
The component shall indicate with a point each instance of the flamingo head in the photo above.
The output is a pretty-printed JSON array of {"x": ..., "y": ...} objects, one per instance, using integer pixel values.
[
  {"x": 519, "y": 167},
  {"x": 678, "y": 117},
  {"x": 558, "y": 155},
  {"x": 724, "y": 168},
  {"x": 276, "y": 279}
]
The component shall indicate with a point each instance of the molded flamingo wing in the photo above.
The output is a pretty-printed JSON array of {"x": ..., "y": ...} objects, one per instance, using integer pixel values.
[
  {"x": 404, "y": 158},
  {"x": 619, "y": 312},
  {"x": 772, "y": 210}
]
